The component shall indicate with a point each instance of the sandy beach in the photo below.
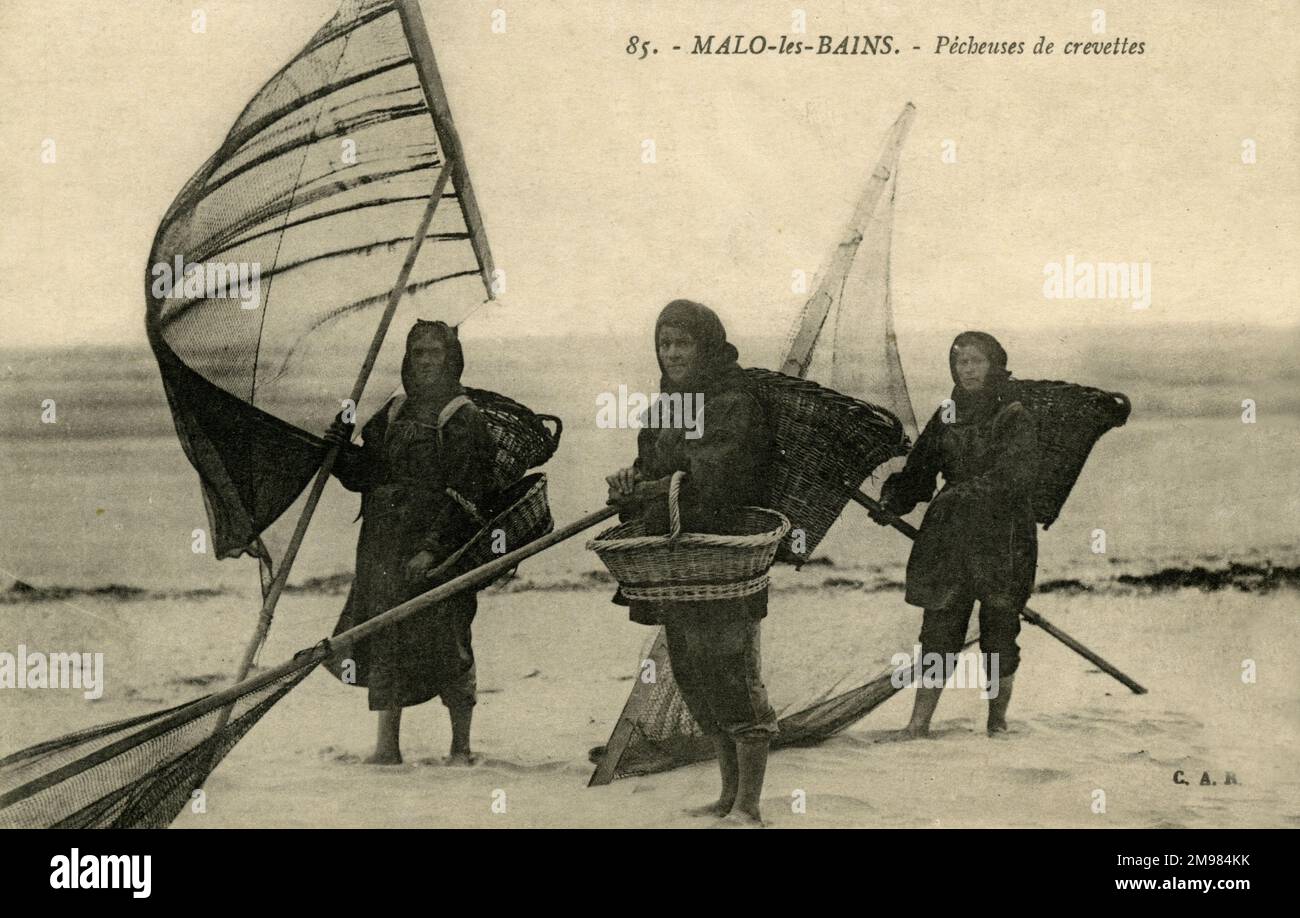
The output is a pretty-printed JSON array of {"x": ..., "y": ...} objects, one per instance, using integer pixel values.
[
  {"x": 555, "y": 666},
  {"x": 298, "y": 185},
  {"x": 1199, "y": 576}
]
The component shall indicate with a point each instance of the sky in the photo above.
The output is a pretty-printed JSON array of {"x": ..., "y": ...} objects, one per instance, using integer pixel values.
[{"x": 759, "y": 160}]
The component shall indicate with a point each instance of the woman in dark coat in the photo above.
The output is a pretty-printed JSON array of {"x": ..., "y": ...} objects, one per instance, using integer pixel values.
[
  {"x": 713, "y": 646},
  {"x": 423, "y": 469},
  {"x": 978, "y": 540}
]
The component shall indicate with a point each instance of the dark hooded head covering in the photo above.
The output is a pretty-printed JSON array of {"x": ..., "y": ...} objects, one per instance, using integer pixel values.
[
  {"x": 717, "y": 367},
  {"x": 975, "y": 406},
  {"x": 448, "y": 384}
]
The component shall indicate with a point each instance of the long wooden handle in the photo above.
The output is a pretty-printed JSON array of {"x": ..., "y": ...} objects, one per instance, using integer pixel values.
[
  {"x": 228, "y": 696},
  {"x": 878, "y": 510},
  {"x": 332, "y": 454},
  {"x": 831, "y": 277},
  {"x": 272, "y": 598},
  {"x": 1034, "y": 618},
  {"x": 479, "y": 575}
]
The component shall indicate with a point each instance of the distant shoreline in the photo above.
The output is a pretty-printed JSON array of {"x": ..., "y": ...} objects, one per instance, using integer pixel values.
[
  {"x": 1244, "y": 576},
  {"x": 481, "y": 328}
]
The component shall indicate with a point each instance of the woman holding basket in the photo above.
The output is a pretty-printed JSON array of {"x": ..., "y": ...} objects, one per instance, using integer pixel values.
[{"x": 713, "y": 645}]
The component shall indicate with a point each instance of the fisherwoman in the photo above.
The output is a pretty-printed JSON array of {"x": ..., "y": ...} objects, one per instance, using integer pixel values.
[
  {"x": 978, "y": 540},
  {"x": 423, "y": 469},
  {"x": 713, "y": 645}
]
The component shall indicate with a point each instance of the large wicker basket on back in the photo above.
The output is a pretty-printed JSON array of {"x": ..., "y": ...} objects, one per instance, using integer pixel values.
[
  {"x": 827, "y": 444},
  {"x": 1071, "y": 418},
  {"x": 520, "y": 436},
  {"x": 692, "y": 566}
]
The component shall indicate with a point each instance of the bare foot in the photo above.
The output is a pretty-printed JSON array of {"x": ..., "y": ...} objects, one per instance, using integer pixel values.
[
  {"x": 906, "y": 734},
  {"x": 383, "y": 757},
  {"x": 997, "y": 727},
  {"x": 717, "y": 809},
  {"x": 738, "y": 819},
  {"x": 463, "y": 759}
]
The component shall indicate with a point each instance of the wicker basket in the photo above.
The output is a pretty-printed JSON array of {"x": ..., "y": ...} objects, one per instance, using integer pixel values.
[
  {"x": 520, "y": 437},
  {"x": 1070, "y": 419},
  {"x": 693, "y": 566},
  {"x": 826, "y": 445},
  {"x": 521, "y": 512}
]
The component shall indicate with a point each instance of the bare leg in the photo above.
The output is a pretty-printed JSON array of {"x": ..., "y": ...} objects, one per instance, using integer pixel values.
[
  {"x": 942, "y": 633},
  {"x": 998, "y": 706},
  {"x": 751, "y": 767},
  {"x": 730, "y": 780},
  {"x": 462, "y": 716},
  {"x": 927, "y": 699},
  {"x": 387, "y": 748}
]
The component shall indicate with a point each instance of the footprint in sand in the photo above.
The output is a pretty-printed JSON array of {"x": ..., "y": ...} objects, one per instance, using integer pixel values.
[
  {"x": 481, "y": 761},
  {"x": 1014, "y": 730},
  {"x": 446, "y": 761},
  {"x": 334, "y": 754},
  {"x": 901, "y": 736},
  {"x": 342, "y": 757}
]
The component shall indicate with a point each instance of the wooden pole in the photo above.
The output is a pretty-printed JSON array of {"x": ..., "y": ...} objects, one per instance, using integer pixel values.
[
  {"x": 801, "y": 349},
  {"x": 795, "y": 363},
  {"x": 417, "y": 37},
  {"x": 327, "y": 464},
  {"x": 479, "y": 575},
  {"x": 626, "y": 723},
  {"x": 335, "y": 646},
  {"x": 453, "y": 166},
  {"x": 876, "y": 509}
]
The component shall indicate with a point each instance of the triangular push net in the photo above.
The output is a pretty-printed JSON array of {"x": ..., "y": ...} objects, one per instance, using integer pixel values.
[
  {"x": 140, "y": 772},
  {"x": 311, "y": 202},
  {"x": 843, "y": 337},
  {"x": 264, "y": 287}
]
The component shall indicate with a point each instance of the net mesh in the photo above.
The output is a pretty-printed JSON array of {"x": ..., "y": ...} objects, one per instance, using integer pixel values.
[
  {"x": 263, "y": 289},
  {"x": 310, "y": 203},
  {"x": 844, "y": 338},
  {"x": 139, "y": 772},
  {"x": 662, "y": 735}
]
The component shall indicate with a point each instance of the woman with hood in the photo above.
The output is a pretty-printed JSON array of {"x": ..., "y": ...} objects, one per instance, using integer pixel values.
[
  {"x": 424, "y": 468},
  {"x": 978, "y": 540},
  {"x": 713, "y": 645}
]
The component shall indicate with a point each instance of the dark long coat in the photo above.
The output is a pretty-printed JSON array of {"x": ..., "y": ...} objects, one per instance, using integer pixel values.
[
  {"x": 403, "y": 472},
  {"x": 978, "y": 538},
  {"x": 726, "y": 468}
]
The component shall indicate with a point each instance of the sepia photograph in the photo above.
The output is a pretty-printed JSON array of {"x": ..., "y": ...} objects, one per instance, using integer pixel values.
[{"x": 472, "y": 414}]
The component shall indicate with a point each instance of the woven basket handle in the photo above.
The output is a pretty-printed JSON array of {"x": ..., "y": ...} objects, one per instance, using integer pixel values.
[
  {"x": 559, "y": 426},
  {"x": 1123, "y": 407},
  {"x": 466, "y": 505},
  {"x": 674, "y": 505}
]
